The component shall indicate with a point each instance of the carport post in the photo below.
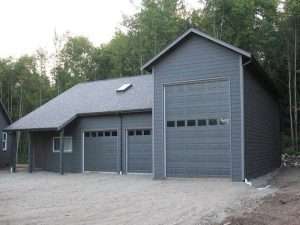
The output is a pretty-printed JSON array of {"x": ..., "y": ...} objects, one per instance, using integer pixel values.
[
  {"x": 30, "y": 153},
  {"x": 61, "y": 153},
  {"x": 13, "y": 145}
]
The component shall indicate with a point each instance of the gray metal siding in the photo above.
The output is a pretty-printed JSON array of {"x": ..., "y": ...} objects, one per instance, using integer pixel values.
[
  {"x": 194, "y": 151},
  {"x": 42, "y": 141},
  {"x": 44, "y": 157},
  {"x": 4, "y": 156},
  {"x": 262, "y": 129},
  {"x": 196, "y": 59}
]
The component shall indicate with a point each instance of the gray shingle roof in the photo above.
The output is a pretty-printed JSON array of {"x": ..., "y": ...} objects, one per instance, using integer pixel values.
[{"x": 89, "y": 98}]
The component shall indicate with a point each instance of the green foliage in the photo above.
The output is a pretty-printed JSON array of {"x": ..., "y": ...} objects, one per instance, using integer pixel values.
[
  {"x": 291, "y": 151},
  {"x": 255, "y": 25},
  {"x": 77, "y": 63}
]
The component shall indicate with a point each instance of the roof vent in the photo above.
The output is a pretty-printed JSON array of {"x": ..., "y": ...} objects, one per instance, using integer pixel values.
[{"x": 124, "y": 87}]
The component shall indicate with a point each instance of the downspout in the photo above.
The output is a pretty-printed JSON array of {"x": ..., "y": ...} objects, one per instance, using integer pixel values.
[{"x": 243, "y": 114}]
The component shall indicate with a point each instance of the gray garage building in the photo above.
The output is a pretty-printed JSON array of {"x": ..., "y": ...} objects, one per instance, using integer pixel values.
[{"x": 207, "y": 109}]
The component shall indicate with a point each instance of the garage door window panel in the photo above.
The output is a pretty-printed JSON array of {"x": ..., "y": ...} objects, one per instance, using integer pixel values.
[
  {"x": 180, "y": 123},
  {"x": 191, "y": 123},
  {"x": 202, "y": 122},
  {"x": 213, "y": 122},
  {"x": 171, "y": 124},
  {"x": 131, "y": 133},
  {"x": 139, "y": 133},
  {"x": 147, "y": 132}
]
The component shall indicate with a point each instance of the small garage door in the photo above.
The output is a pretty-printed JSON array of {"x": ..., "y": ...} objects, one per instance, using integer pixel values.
[
  {"x": 198, "y": 129},
  {"x": 100, "y": 150},
  {"x": 139, "y": 151}
]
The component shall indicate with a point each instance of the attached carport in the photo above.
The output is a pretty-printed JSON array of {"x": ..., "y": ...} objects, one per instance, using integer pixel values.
[{"x": 87, "y": 119}]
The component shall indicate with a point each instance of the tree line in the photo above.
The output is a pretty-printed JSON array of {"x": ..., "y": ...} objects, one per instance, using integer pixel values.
[{"x": 267, "y": 28}]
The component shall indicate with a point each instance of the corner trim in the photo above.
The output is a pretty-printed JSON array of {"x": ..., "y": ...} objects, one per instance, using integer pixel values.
[
  {"x": 242, "y": 97},
  {"x": 153, "y": 128}
]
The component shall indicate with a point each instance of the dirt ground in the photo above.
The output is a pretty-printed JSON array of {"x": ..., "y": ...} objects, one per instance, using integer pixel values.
[
  {"x": 279, "y": 208},
  {"x": 45, "y": 198}
]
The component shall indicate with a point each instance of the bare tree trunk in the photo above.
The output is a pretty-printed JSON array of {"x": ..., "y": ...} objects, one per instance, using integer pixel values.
[
  {"x": 20, "y": 115},
  {"x": 290, "y": 96},
  {"x": 8, "y": 99},
  {"x": 295, "y": 91},
  {"x": 141, "y": 64},
  {"x": 11, "y": 100}
]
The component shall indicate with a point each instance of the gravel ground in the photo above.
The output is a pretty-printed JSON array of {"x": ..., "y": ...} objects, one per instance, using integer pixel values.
[
  {"x": 280, "y": 208},
  {"x": 45, "y": 198}
]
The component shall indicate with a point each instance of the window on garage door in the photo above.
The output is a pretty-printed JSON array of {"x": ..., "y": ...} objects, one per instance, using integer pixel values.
[
  {"x": 139, "y": 132},
  {"x": 102, "y": 133}
]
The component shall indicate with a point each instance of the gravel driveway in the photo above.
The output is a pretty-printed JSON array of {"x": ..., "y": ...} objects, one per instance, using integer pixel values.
[{"x": 45, "y": 198}]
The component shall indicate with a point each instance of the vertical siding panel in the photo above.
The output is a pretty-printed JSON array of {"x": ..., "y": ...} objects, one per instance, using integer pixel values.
[
  {"x": 262, "y": 129},
  {"x": 196, "y": 59}
]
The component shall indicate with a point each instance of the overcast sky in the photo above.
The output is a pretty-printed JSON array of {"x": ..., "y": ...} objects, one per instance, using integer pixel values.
[{"x": 27, "y": 25}]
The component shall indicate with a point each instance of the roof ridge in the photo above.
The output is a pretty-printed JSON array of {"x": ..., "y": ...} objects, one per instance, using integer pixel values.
[{"x": 113, "y": 78}]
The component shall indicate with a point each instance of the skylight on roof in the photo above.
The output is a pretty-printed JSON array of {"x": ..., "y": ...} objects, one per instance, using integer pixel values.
[{"x": 124, "y": 87}]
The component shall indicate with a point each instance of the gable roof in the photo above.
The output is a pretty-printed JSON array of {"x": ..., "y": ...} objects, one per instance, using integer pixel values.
[
  {"x": 249, "y": 62},
  {"x": 89, "y": 98},
  {"x": 148, "y": 66}
]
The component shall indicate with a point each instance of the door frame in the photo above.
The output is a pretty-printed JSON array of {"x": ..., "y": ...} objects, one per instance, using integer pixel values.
[
  {"x": 83, "y": 150},
  {"x": 198, "y": 81},
  {"x": 126, "y": 148}
]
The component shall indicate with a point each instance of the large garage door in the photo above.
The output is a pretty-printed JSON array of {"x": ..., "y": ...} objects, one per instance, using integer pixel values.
[
  {"x": 198, "y": 129},
  {"x": 139, "y": 151},
  {"x": 100, "y": 150}
]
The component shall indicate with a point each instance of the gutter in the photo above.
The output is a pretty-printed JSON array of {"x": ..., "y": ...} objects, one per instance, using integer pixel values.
[{"x": 67, "y": 122}]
